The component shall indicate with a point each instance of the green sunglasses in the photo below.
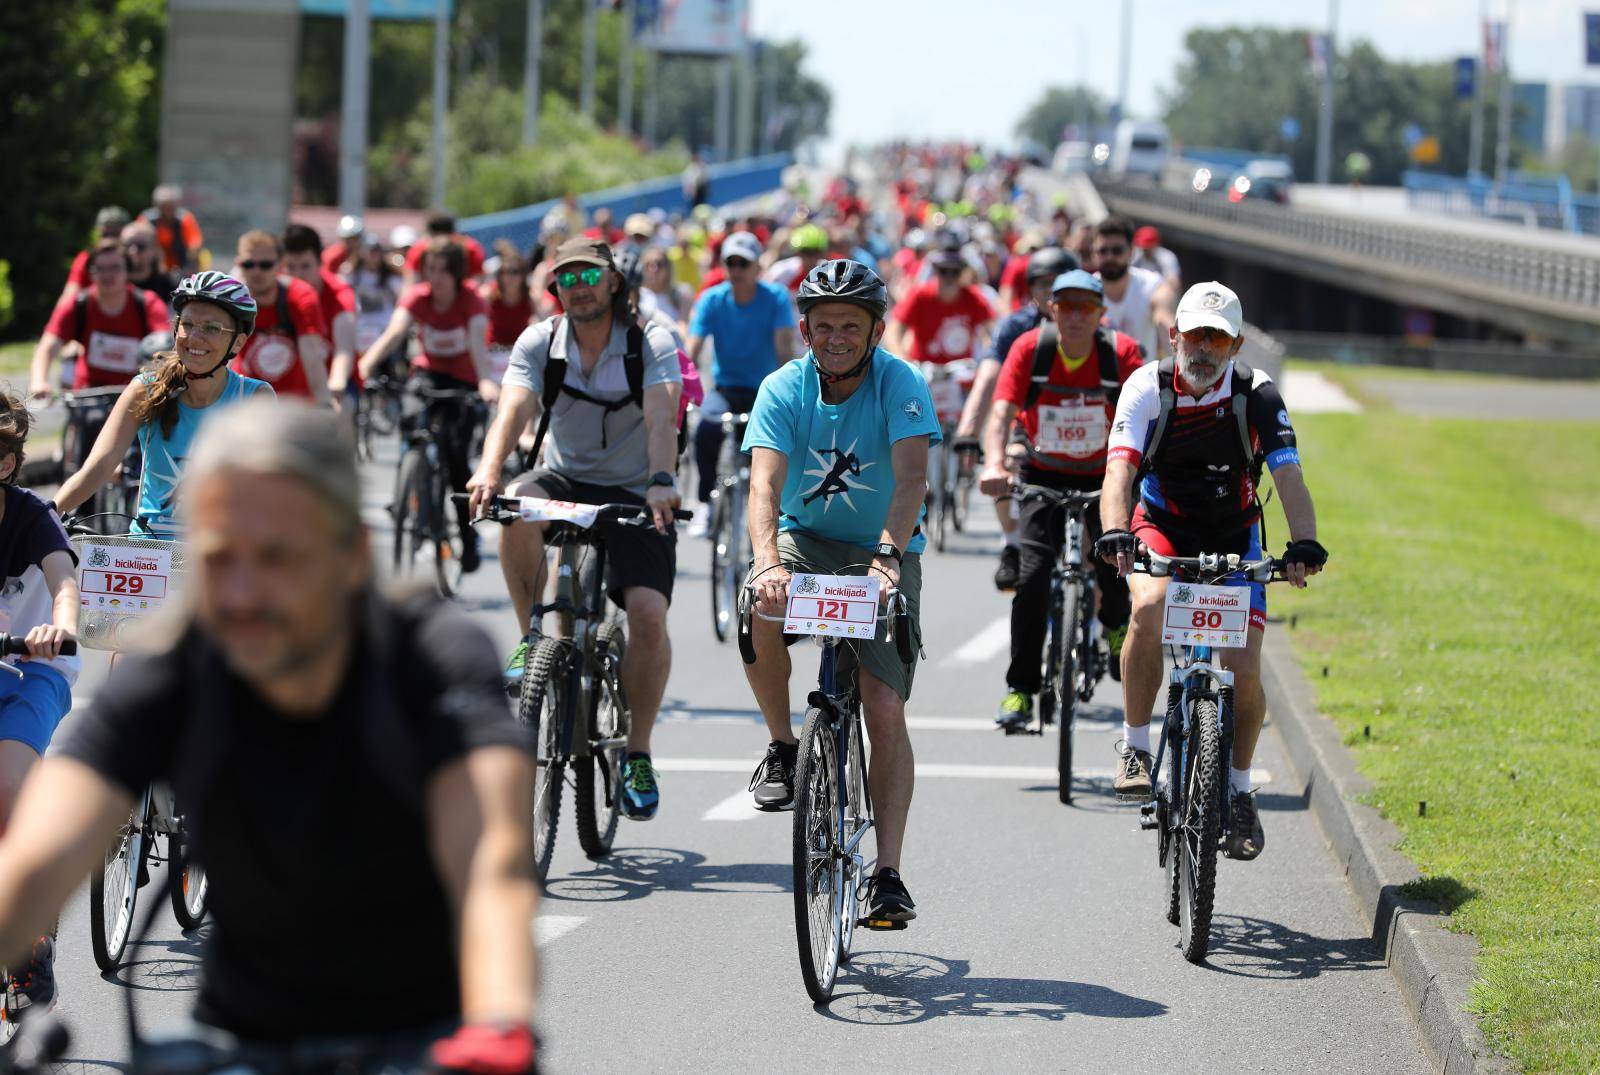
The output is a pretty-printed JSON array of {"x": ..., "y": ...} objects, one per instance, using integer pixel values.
[{"x": 589, "y": 277}]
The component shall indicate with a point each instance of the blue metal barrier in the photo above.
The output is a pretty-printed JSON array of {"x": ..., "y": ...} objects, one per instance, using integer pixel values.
[
  {"x": 729, "y": 182},
  {"x": 1535, "y": 200}
]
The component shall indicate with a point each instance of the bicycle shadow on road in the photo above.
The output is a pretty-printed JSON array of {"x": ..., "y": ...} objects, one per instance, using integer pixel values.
[
  {"x": 161, "y": 966},
  {"x": 635, "y": 872},
  {"x": 1256, "y": 948},
  {"x": 898, "y": 988}
]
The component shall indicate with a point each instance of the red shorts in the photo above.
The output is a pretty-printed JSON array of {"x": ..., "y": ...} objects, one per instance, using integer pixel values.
[{"x": 1247, "y": 544}]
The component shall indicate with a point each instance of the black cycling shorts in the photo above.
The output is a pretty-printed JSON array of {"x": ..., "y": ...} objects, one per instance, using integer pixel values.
[{"x": 635, "y": 556}]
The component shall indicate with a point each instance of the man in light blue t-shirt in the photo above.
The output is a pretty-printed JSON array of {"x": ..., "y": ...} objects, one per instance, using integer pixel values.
[
  {"x": 839, "y": 469},
  {"x": 750, "y": 324}
]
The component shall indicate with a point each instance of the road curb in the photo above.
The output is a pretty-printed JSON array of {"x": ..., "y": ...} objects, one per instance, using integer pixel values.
[{"x": 1434, "y": 967}]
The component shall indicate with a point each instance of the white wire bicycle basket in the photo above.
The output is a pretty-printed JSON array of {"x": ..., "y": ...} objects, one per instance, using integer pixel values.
[{"x": 125, "y": 581}]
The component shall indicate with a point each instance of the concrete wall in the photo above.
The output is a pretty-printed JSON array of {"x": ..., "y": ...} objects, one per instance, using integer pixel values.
[{"x": 227, "y": 112}]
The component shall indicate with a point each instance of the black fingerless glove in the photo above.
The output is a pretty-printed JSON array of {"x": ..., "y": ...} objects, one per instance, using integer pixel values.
[
  {"x": 1309, "y": 553},
  {"x": 1114, "y": 541}
]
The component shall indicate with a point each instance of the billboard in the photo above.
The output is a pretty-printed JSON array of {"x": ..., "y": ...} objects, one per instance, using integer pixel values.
[{"x": 700, "y": 27}]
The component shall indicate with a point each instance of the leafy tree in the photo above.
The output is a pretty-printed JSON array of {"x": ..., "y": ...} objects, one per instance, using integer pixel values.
[
  {"x": 81, "y": 82},
  {"x": 1058, "y": 108}
]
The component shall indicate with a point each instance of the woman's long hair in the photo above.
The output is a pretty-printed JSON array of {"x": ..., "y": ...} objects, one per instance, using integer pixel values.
[{"x": 169, "y": 379}]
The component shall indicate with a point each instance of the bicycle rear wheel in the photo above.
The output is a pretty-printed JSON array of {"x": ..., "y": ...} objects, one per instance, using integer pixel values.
[
  {"x": 599, "y": 801},
  {"x": 542, "y": 704},
  {"x": 114, "y": 889},
  {"x": 1066, "y": 687},
  {"x": 724, "y": 577},
  {"x": 448, "y": 540},
  {"x": 1198, "y": 830},
  {"x": 410, "y": 510},
  {"x": 186, "y": 881},
  {"x": 818, "y": 872}
]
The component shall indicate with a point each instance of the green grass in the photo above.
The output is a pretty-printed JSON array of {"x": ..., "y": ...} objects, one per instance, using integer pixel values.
[
  {"x": 14, "y": 361},
  {"x": 1460, "y": 623}
]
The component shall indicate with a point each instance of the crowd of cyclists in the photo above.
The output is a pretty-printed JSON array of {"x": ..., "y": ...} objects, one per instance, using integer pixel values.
[{"x": 861, "y": 332}]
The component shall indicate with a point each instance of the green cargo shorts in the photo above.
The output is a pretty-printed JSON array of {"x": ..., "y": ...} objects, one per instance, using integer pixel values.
[{"x": 830, "y": 557}]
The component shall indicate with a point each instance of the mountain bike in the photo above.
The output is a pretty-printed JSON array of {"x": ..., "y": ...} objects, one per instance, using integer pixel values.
[
  {"x": 952, "y": 465},
  {"x": 730, "y": 541},
  {"x": 832, "y": 800},
  {"x": 572, "y": 693},
  {"x": 425, "y": 529},
  {"x": 1074, "y": 660},
  {"x": 1189, "y": 810},
  {"x": 87, "y": 412}
]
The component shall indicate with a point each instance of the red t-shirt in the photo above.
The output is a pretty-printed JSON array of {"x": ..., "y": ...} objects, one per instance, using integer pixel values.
[
  {"x": 1015, "y": 276},
  {"x": 506, "y": 319},
  {"x": 273, "y": 352},
  {"x": 1075, "y": 413},
  {"x": 942, "y": 331},
  {"x": 333, "y": 256},
  {"x": 79, "y": 273},
  {"x": 473, "y": 248},
  {"x": 110, "y": 344},
  {"x": 336, "y": 297},
  {"x": 444, "y": 332},
  {"x": 714, "y": 276},
  {"x": 908, "y": 261}
]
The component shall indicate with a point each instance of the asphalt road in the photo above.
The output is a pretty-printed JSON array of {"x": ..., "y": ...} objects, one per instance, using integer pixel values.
[{"x": 1040, "y": 943}]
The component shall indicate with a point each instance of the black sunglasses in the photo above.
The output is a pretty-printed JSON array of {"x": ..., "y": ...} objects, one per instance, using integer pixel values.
[{"x": 258, "y": 265}]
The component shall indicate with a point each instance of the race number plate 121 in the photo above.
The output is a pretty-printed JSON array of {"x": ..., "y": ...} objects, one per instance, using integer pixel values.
[
  {"x": 1216, "y": 616},
  {"x": 841, "y": 606},
  {"x": 127, "y": 581}
]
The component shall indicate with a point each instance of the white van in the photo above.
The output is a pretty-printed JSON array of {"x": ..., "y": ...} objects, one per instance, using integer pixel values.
[{"x": 1139, "y": 148}]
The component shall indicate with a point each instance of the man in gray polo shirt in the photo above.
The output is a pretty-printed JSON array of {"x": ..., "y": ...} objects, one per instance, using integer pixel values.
[{"x": 603, "y": 447}]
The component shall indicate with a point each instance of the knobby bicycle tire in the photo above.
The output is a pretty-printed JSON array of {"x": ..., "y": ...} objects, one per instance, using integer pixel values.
[
  {"x": 109, "y": 934},
  {"x": 598, "y": 802},
  {"x": 1066, "y": 685},
  {"x": 1169, "y": 795},
  {"x": 541, "y": 704},
  {"x": 818, "y": 884},
  {"x": 1199, "y": 829},
  {"x": 1050, "y": 675},
  {"x": 186, "y": 881},
  {"x": 723, "y": 611}
]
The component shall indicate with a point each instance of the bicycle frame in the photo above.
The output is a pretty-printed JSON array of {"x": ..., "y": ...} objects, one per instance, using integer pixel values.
[
  {"x": 580, "y": 611},
  {"x": 844, "y": 716}
]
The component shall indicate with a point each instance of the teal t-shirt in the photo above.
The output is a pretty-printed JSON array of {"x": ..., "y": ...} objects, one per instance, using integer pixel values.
[
  {"x": 841, "y": 476},
  {"x": 164, "y": 455}
]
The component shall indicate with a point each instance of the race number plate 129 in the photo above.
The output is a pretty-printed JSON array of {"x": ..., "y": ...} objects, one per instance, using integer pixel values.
[
  {"x": 842, "y": 606},
  {"x": 123, "y": 580},
  {"x": 1216, "y": 616}
]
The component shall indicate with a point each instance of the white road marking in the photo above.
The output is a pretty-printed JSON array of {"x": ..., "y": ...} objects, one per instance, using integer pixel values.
[
  {"x": 736, "y": 807},
  {"x": 914, "y": 723},
  {"x": 924, "y": 769},
  {"x": 986, "y": 645},
  {"x": 552, "y": 927}
]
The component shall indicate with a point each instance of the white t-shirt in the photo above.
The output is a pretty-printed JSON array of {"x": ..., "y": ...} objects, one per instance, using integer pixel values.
[
  {"x": 1134, "y": 315},
  {"x": 1161, "y": 261}
]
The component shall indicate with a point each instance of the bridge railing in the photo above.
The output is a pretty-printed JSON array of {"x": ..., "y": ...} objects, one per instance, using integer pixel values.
[
  {"x": 1536, "y": 200},
  {"x": 1556, "y": 277},
  {"x": 730, "y": 182}
]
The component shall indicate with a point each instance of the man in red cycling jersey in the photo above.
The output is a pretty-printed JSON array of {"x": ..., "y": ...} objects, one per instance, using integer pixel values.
[
  {"x": 106, "y": 322},
  {"x": 443, "y": 225},
  {"x": 302, "y": 259},
  {"x": 289, "y": 348},
  {"x": 1065, "y": 422},
  {"x": 940, "y": 320},
  {"x": 1180, "y": 482}
]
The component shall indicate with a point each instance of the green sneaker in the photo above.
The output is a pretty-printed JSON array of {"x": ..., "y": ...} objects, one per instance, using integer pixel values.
[
  {"x": 640, "y": 796},
  {"x": 1115, "y": 636},
  {"x": 515, "y": 664},
  {"x": 1016, "y": 710}
]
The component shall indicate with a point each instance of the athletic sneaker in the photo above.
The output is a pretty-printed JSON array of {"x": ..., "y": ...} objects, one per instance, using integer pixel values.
[
  {"x": 1246, "y": 838},
  {"x": 700, "y": 525},
  {"x": 1016, "y": 710},
  {"x": 640, "y": 796},
  {"x": 1114, "y": 637},
  {"x": 36, "y": 985},
  {"x": 1133, "y": 775},
  {"x": 515, "y": 665},
  {"x": 1005, "y": 576},
  {"x": 470, "y": 560},
  {"x": 773, "y": 780},
  {"x": 889, "y": 905}
]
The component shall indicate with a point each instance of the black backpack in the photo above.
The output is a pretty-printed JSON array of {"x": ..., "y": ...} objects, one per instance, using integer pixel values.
[
  {"x": 1243, "y": 378},
  {"x": 1044, "y": 356},
  {"x": 80, "y": 311},
  {"x": 555, "y": 383}
]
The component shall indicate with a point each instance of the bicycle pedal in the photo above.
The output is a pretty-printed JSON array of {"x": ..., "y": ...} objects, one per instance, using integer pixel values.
[
  {"x": 884, "y": 925},
  {"x": 1147, "y": 817}
]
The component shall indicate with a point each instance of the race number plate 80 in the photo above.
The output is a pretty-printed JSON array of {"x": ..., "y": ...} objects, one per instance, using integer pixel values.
[
  {"x": 840, "y": 605},
  {"x": 1217, "y": 616}
]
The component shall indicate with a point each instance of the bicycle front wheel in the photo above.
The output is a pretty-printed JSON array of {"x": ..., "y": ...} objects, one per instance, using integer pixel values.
[
  {"x": 1199, "y": 826},
  {"x": 858, "y": 814},
  {"x": 114, "y": 890},
  {"x": 543, "y": 704},
  {"x": 724, "y": 578},
  {"x": 449, "y": 543},
  {"x": 410, "y": 510},
  {"x": 1066, "y": 688},
  {"x": 186, "y": 881},
  {"x": 818, "y": 870},
  {"x": 597, "y": 778}
]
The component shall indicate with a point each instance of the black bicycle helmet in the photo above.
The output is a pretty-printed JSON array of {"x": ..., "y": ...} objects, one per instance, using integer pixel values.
[
  {"x": 843, "y": 280},
  {"x": 1049, "y": 262}
]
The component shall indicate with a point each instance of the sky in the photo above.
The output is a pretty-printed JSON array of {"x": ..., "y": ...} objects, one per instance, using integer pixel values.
[{"x": 958, "y": 68}]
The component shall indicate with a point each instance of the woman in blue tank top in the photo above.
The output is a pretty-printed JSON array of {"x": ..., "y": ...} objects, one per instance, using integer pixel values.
[{"x": 165, "y": 405}]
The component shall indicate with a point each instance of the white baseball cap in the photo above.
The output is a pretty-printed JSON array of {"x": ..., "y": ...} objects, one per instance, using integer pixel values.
[
  {"x": 741, "y": 244},
  {"x": 1211, "y": 305}
]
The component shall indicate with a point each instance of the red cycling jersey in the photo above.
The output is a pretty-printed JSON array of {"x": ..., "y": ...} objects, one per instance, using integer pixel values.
[
  {"x": 942, "y": 331},
  {"x": 273, "y": 352},
  {"x": 444, "y": 332},
  {"x": 1072, "y": 410}
]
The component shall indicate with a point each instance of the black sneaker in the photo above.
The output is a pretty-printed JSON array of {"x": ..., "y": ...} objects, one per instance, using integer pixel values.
[
  {"x": 1246, "y": 838},
  {"x": 35, "y": 987},
  {"x": 1005, "y": 576},
  {"x": 470, "y": 560},
  {"x": 773, "y": 780},
  {"x": 889, "y": 905},
  {"x": 1133, "y": 775}
]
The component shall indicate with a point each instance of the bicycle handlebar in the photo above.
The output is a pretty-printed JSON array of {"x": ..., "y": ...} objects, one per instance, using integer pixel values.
[
  {"x": 17, "y": 646},
  {"x": 895, "y": 613},
  {"x": 506, "y": 510},
  {"x": 1064, "y": 497},
  {"x": 1213, "y": 564}
]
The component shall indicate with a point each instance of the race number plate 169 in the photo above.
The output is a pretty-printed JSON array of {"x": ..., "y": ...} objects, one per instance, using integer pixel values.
[
  {"x": 1216, "y": 616},
  {"x": 844, "y": 606},
  {"x": 124, "y": 580}
]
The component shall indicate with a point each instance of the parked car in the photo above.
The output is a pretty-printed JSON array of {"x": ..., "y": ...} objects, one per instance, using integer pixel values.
[
  {"x": 1139, "y": 148},
  {"x": 1072, "y": 157}
]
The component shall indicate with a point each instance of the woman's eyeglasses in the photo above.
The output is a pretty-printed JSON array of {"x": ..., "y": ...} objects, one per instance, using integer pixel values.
[
  {"x": 588, "y": 277},
  {"x": 205, "y": 330}
]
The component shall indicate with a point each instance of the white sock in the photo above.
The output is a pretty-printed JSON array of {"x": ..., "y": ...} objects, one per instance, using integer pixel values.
[
  {"x": 1239, "y": 779},
  {"x": 1012, "y": 540},
  {"x": 1136, "y": 738}
]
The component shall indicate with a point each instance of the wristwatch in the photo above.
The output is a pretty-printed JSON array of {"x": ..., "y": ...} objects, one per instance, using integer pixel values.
[
  {"x": 662, "y": 477},
  {"x": 887, "y": 549}
]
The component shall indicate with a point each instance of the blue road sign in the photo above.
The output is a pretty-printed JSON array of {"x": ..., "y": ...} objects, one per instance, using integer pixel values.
[
  {"x": 1289, "y": 128},
  {"x": 1466, "y": 77},
  {"x": 381, "y": 9}
]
